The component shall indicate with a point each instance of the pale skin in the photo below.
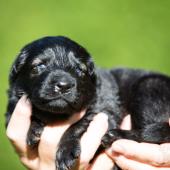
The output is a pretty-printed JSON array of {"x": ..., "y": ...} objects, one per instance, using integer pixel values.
[{"x": 129, "y": 155}]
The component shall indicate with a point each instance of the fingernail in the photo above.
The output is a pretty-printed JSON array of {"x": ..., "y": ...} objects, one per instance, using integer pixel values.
[
  {"x": 26, "y": 100},
  {"x": 118, "y": 148},
  {"x": 83, "y": 166}
]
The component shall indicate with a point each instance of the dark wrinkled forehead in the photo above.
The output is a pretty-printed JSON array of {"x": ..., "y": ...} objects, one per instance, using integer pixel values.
[
  {"x": 59, "y": 50},
  {"x": 58, "y": 56}
]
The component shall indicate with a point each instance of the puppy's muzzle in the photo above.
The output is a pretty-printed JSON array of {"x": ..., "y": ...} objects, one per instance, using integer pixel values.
[
  {"x": 60, "y": 82},
  {"x": 57, "y": 85},
  {"x": 63, "y": 86}
]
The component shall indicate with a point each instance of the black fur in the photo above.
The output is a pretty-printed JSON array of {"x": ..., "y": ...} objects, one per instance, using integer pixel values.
[{"x": 60, "y": 79}]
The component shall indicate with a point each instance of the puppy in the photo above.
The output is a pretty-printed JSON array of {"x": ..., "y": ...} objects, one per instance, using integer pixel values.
[{"x": 59, "y": 78}]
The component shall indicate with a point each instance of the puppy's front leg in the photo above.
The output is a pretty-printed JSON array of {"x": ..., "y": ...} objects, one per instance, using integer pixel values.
[
  {"x": 69, "y": 150},
  {"x": 35, "y": 131}
]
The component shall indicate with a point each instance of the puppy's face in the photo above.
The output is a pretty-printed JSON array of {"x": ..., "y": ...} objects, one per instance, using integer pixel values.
[{"x": 57, "y": 75}]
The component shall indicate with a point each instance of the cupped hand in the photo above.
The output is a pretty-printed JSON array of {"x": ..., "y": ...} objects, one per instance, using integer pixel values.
[
  {"x": 43, "y": 157},
  {"x": 131, "y": 155}
]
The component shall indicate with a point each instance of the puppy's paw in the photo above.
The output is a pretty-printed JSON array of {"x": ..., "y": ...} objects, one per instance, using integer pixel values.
[
  {"x": 34, "y": 133},
  {"x": 109, "y": 138},
  {"x": 33, "y": 137},
  {"x": 68, "y": 155}
]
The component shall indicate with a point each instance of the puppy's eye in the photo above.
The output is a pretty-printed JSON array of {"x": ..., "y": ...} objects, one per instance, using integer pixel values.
[{"x": 38, "y": 69}]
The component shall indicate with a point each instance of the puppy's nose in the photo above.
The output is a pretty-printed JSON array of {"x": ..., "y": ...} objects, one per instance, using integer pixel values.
[{"x": 63, "y": 86}]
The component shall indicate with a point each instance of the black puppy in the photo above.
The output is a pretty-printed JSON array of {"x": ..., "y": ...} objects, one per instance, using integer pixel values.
[{"x": 59, "y": 78}]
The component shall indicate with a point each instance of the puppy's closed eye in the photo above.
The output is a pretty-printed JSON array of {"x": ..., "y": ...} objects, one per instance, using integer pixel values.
[{"x": 38, "y": 69}]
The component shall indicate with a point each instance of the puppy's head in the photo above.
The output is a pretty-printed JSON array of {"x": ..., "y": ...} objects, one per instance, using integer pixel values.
[{"x": 56, "y": 73}]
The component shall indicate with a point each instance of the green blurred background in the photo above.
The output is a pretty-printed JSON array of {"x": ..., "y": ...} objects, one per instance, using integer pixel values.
[{"x": 131, "y": 33}]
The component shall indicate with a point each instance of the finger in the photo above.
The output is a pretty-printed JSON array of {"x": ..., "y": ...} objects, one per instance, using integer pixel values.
[
  {"x": 19, "y": 124},
  {"x": 17, "y": 131},
  {"x": 126, "y": 123},
  {"x": 91, "y": 140},
  {"x": 128, "y": 164},
  {"x": 50, "y": 139},
  {"x": 102, "y": 162},
  {"x": 157, "y": 155},
  {"x": 48, "y": 144}
]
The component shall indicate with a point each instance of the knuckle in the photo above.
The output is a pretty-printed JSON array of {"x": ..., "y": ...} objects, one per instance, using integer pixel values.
[
  {"x": 32, "y": 165},
  {"x": 160, "y": 160},
  {"x": 23, "y": 160},
  {"x": 10, "y": 135},
  {"x": 163, "y": 158},
  {"x": 14, "y": 138}
]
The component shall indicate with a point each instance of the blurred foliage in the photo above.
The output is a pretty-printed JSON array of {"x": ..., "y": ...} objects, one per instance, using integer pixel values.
[{"x": 128, "y": 33}]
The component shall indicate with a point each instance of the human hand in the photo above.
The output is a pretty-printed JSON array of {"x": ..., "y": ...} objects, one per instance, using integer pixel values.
[
  {"x": 132, "y": 155},
  {"x": 43, "y": 157}
]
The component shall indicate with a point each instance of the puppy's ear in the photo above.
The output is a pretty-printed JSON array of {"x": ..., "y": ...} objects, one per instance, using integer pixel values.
[{"x": 17, "y": 65}]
